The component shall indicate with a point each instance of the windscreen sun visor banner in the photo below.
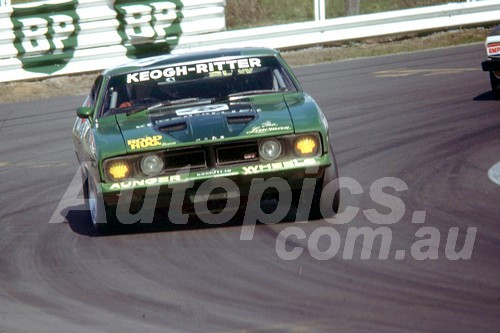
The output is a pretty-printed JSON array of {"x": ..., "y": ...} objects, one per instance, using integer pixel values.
[{"x": 172, "y": 72}]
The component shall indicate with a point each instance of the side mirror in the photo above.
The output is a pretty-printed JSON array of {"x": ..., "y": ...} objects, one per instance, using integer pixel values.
[{"x": 84, "y": 112}]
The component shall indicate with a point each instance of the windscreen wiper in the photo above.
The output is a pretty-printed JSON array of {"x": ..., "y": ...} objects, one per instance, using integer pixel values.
[
  {"x": 252, "y": 92},
  {"x": 136, "y": 110},
  {"x": 164, "y": 104},
  {"x": 173, "y": 102},
  {"x": 243, "y": 93}
]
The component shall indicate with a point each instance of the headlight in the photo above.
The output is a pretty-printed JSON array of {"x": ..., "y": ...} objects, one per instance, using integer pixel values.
[
  {"x": 152, "y": 165},
  {"x": 118, "y": 170},
  {"x": 306, "y": 146},
  {"x": 270, "y": 149}
]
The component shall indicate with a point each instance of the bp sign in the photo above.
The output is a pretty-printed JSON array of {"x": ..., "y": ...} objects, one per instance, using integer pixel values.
[
  {"x": 147, "y": 22},
  {"x": 48, "y": 34},
  {"x": 45, "y": 35}
]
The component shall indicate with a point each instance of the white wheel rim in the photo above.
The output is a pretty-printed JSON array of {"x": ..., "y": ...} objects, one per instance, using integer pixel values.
[{"x": 92, "y": 203}]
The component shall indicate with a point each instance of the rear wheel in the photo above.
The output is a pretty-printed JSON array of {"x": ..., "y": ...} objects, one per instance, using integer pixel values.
[{"x": 495, "y": 85}]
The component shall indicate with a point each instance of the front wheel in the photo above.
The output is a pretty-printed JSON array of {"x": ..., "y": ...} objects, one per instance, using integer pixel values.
[
  {"x": 495, "y": 85},
  {"x": 97, "y": 210},
  {"x": 325, "y": 203}
]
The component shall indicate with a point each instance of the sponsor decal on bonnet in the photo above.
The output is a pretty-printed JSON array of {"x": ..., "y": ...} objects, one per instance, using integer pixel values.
[
  {"x": 267, "y": 127},
  {"x": 149, "y": 141},
  {"x": 205, "y": 109}
]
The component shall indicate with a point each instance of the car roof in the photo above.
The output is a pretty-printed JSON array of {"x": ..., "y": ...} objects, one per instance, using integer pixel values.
[{"x": 172, "y": 59}]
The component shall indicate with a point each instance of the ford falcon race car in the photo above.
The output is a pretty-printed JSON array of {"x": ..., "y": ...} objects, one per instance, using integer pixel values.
[
  {"x": 178, "y": 121},
  {"x": 493, "y": 64}
]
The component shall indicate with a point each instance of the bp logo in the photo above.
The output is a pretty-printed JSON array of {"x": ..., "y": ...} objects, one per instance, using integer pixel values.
[
  {"x": 149, "y": 27},
  {"x": 47, "y": 35}
]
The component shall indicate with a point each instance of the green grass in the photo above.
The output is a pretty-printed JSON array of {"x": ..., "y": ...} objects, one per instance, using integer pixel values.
[
  {"x": 16, "y": 2},
  {"x": 386, "y": 45},
  {"x": 382, "y": 6},
  {"x": 256, "y": 13}
]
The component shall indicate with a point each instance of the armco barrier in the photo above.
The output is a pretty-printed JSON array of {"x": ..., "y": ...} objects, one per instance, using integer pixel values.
[
  {"x": 63, "y": 37},
  {"x": 353, "y": 27},
  {"x": 71, "y": 36}
]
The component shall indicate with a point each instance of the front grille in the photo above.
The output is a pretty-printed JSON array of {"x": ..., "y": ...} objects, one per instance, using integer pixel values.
[
  {"x": 211, "y": 156},
  {"x": 175, "y": 160},
  {"x": 237, "y": 153}
]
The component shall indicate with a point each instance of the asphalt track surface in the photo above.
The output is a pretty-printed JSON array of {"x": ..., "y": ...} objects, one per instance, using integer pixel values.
[{"x": 427, "y": 118}]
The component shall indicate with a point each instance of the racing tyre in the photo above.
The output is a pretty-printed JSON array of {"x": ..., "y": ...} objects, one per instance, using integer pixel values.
[
  {"x": 495, "y": 85},
  {"x": 101, "y": 222},
  {"x": 323, "y": 195}
]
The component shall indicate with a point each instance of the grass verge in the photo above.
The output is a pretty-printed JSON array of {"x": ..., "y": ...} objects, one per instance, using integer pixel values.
[
  {"x": 256, "y": 13},
  {"x": 386, "y": 45}
]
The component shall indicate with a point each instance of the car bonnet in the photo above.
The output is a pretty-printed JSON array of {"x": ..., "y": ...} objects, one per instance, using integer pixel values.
[{"x": 244, "y": 118}]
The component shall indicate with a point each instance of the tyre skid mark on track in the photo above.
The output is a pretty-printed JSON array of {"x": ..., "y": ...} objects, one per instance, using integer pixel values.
[
  {"x": 403, "y": 72},
  {"x": 5, "y": 120},
  {"x": 150, "y": 280},
  {"x": 34, "y": 164},
  {"x": 31, "y": 115}
]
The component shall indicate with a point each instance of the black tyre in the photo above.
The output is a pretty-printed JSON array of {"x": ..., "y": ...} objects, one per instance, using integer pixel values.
[
  {"x": 495, "y": 85},
  {"x": 98, "y": 210},
  {"x": 323, "y": 195}
]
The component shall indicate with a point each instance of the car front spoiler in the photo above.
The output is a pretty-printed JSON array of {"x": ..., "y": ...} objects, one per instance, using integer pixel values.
[
  {"x": 491, "y": 66},
  {"x": 290, "y": 169}
]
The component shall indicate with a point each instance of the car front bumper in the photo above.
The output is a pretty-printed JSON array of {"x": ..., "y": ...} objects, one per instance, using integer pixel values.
[
  {"x": 491, "y": 65},
  {"x": 188, "y": 184}
]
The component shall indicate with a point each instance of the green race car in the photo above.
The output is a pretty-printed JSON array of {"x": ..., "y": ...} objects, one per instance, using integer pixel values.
[{"x": 201, "y": 129}]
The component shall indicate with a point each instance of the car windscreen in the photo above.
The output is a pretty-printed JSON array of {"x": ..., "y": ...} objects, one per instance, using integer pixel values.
[{"x": 204, "y": 80}]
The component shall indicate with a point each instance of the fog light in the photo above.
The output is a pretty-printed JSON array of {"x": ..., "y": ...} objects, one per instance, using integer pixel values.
[
  {"x": 152, "y": 165},
  {"x": 270, "y": 149},
  {"x": 118, "y": 170},
  {"x": 306, "y": 146}
]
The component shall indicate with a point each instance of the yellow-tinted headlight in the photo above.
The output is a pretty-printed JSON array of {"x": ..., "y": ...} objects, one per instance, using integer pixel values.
[
  {"x": 118, "y": 170},
  {"x": 306, "y": 145}
]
